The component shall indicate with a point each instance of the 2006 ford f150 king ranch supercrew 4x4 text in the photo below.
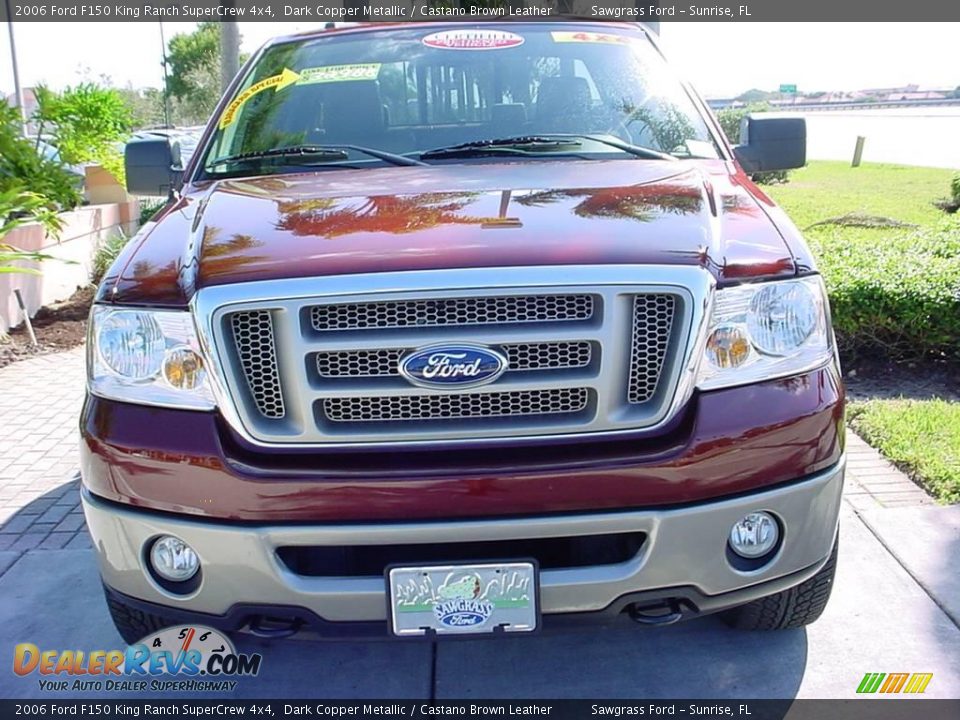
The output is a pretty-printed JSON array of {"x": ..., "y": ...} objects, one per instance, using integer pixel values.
[{"x": 460, "y": 328}]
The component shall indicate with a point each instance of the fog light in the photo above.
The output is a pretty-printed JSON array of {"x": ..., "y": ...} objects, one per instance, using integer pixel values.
[
  {"x": 173, "y": 559},
  {"x": 755, "y": 535}
]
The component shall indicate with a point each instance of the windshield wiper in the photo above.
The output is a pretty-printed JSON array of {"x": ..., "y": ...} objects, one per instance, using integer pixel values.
[
  {"x": 520, "y": 145},
  {"x": 534, "y": 144},
  {"x": 313, "y": 153},
  {"x": 638, "y": 150}
]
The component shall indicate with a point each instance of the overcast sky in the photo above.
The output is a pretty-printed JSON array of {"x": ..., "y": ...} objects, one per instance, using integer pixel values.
[{"x": 720, "y": 58}]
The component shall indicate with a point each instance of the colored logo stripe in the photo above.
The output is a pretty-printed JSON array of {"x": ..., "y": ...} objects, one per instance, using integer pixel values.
[
  {"x": 918, "y": 682},
  {"x": 870, "y": 682},
  {"x": 894, "y": 683}
]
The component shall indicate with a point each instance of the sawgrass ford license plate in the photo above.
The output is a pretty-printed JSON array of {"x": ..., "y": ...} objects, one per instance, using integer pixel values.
[{"x": 463, "y": 599}]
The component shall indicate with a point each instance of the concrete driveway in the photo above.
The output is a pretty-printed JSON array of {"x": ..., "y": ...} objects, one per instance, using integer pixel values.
[{"x": 895, "y": 606}]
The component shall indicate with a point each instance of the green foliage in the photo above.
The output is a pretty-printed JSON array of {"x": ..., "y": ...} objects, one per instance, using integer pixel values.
[
  {"x": 19, "y": 207},
  {"x": 894, "y": 291},
  {"x": 955, "y": 188},
  {"x": 755, "y": 95},
  {"x": 922, "y": 437},
  {"x": 87, "y": 123},
  {"x": 23, "y": 168},
  {"x": 145, "y": 104},
  {"x": 730, "y": 119},
  {"x": 899, "y": 295},
  {"x": 193, "y": 62},
  {"x": 149, "y": 208},
  {"x": 667, "y": 123},
  {"x": 107, "y": 253}
]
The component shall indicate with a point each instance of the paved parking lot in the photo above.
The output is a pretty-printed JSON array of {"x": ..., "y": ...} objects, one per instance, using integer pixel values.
[{"x": 895, "y": 608}]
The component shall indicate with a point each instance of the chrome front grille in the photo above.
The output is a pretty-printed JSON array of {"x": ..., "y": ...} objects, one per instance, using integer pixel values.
[
  {"x": 650, "y": 336},
  {"x": 520, "y": 356},
  {"x": 253, "y": 338},
  {"x": 447, "y": 407},
  {"x": 595, "y": 356},
  {"x": 441, "y": 312}
]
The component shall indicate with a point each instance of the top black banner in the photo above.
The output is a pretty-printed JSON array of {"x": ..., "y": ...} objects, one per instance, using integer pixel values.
[{"x": 324, "y": 11}]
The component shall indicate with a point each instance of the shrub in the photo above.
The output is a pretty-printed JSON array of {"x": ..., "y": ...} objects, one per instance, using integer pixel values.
[
  {"x": 898, "y": 295},
  {"x": 729, "y": 119},
  {"x": 19, "y": 207},
  {"x": 149, "y": 208},
  {"x": 87, "y": 123},
  {"x": 23, "y": 168}
]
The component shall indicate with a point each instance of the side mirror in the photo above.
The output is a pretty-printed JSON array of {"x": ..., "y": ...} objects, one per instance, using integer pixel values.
[
  {"x": 768, "y": 143},
  {"x": 153, "y": 166}
]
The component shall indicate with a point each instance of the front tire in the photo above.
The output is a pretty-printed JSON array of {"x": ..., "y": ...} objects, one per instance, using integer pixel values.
[
  {"x": 131, "y": 623},
  {"x": 794, "y": 608}
]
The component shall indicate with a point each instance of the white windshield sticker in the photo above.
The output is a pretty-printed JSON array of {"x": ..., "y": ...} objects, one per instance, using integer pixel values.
[
  {"x": 472, "y": 40},
  {"x": 339, "y": 73}
]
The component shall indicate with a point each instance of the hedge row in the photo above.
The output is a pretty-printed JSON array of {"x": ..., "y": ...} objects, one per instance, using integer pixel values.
[{"x": 898, "y": 295}]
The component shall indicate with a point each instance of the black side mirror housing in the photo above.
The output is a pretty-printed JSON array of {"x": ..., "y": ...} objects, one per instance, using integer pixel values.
[
  {"x": 771, "y": 143},
  {"x": 153, "y": 166}
]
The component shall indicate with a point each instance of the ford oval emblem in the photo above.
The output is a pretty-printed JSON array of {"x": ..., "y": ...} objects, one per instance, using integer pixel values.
[{"x": 453, "y": 366}]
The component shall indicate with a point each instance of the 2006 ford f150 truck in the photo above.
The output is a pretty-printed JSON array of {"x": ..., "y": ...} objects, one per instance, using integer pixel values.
[{"x": 458, "y": 328}]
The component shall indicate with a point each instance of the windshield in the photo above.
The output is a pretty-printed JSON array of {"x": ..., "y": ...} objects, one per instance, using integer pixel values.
[{"x": 408, "y": 91}]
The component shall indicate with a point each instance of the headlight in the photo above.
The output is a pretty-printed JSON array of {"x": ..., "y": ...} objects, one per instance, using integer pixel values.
[
  {"x": 149, "y": 357},
  {"x": 766, "y": 330}
]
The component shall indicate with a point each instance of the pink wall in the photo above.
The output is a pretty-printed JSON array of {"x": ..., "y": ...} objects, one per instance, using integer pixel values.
[{"x": 84, "y": 231}]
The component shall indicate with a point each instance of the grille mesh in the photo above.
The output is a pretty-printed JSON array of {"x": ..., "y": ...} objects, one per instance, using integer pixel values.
[
  {"x": 652, "y": 322},
  {"x": 520, "y": 356},
  {"x": 451, "y": 311},
  {"x": 519, "y": 403},
  {"x": 253, "y": 335}
]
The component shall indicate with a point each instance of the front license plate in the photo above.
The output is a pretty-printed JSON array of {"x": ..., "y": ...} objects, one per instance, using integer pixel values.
[{"x": 463, "y": 599}]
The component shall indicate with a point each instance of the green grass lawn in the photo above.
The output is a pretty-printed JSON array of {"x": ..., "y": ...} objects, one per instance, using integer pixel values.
[
  {"x": 893, "y": 289},
  {"x": 921, "y": 437},
  {"x": 829, "y": 189}
]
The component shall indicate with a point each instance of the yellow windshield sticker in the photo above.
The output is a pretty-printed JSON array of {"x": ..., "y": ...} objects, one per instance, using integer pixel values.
[
  {"x": 277, "y": 82},
  {"x": 339, "y": 73},
  {"x": 590, "y": 37}
]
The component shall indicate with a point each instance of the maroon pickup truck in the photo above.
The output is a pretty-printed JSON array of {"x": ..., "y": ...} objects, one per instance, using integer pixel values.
[{"x": 463, "y": 328}]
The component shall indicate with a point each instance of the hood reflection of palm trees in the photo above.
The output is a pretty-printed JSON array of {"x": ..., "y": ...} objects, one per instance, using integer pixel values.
[
  {"x": 332, "y": 218},
  {"x": 228, "y": 255},
  {"x": 217, "y": 257},
  {"x": 640, "y": 202}
]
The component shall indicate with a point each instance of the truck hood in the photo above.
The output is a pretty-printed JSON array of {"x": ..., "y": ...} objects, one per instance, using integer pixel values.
[{"x": 456, "y": 216}]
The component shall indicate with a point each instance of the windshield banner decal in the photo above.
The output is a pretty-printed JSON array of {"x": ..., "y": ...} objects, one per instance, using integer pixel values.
[{"x": 278, "y": 82}]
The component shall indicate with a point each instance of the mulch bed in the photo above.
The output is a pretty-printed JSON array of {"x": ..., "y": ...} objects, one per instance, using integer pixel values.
[
  {"x": 59, "y": 327},
  {"x": 868, "y": 379}
]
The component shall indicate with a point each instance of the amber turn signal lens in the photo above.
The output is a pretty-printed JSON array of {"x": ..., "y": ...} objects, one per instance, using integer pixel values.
[
  {"x": 183, "y": 369},
  {"x": 728, "y": 347}
]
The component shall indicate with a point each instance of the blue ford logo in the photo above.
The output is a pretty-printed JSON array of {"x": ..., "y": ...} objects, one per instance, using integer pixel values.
[
  {"x": 453, "y": 366},
  {"x": 462, "y": 612}
]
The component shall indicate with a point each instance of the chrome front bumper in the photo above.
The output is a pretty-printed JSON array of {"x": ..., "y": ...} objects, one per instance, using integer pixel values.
[{"x": 684, "y": 547}]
